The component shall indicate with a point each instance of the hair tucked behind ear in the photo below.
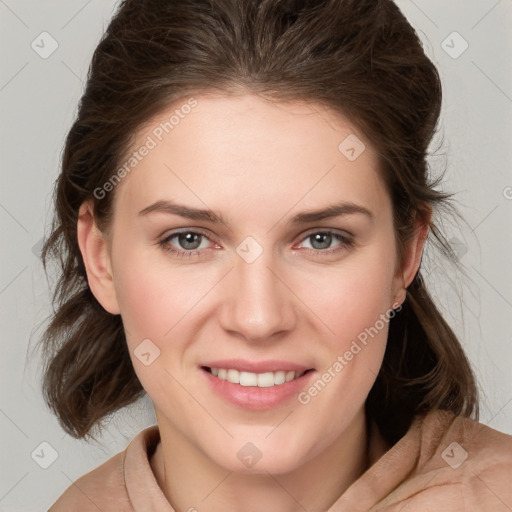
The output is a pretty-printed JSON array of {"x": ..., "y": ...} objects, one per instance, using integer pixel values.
[{"x": 360, "y": 58}]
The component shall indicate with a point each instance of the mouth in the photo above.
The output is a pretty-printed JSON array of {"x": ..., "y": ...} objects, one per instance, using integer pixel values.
[
  {"x": 251, "y": 379},
  {"x": 256, "y": 385}
]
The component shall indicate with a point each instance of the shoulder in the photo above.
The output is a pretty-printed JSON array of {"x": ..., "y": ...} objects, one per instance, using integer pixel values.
[
  {"x": 105, "y": 488},
  {"x": 101, "y": 489},
  {"x": 463, "y": 443},
  {"x": 462, "y": 464}
]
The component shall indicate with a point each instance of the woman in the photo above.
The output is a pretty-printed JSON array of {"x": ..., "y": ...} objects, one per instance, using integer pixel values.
[{"x": 240, "y": 218}]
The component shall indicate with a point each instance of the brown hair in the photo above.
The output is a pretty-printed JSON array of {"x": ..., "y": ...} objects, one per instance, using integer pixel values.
[{"x": 360, "y": 58}]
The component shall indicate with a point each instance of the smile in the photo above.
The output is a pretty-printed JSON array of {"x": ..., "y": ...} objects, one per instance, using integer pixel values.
[
  {"x": 256, "y": 385},
  {"x": 261, "y": 380}
]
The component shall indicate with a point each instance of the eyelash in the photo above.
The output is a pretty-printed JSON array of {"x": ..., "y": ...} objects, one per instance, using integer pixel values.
[{"x": 346, "y": 243}]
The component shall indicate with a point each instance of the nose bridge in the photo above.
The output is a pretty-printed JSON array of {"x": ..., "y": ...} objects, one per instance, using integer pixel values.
[{"x": 259, "y": 304}]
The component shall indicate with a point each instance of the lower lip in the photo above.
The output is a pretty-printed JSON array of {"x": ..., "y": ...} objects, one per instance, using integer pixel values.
[{"x": 254, "y": 397}]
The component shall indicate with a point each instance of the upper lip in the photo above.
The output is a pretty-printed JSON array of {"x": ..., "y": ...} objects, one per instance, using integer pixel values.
[{"x": 243, "y": 365}]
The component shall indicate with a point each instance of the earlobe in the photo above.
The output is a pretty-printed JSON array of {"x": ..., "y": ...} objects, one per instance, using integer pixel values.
[{"x": 95, "y": 254}]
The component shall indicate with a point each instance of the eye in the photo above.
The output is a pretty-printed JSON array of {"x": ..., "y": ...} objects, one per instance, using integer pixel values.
[
  {"x": 187, "y": 243},
  {"x": 321, "y": 242}
]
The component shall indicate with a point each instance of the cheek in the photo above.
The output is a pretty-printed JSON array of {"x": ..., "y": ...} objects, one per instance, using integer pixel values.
[
  {"x": 355, "y": 306},
  {"x": 161, "y": 302},
  {"x": 151, "y": 309},
  {"x": 139, "y": 296},
  {"x": 352, "y": 304},
  {"x": 149, "y": 301},
  {"x": 352, "y": 299}
]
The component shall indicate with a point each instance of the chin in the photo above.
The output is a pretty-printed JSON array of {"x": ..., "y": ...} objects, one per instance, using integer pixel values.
[{"x": 261, "y": 456}]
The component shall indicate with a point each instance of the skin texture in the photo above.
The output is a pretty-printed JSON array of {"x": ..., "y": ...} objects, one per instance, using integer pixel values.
[{"x": 258, "y": 164}]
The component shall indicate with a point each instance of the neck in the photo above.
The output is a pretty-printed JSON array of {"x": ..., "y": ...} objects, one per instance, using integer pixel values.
[{"x": 191, "y": 481}]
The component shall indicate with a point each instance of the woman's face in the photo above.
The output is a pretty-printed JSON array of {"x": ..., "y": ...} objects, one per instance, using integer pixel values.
[{"x": 263, "y": 283}]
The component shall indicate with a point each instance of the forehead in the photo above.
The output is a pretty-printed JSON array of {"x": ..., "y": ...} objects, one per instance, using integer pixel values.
[{"x": 248, "y": 151}]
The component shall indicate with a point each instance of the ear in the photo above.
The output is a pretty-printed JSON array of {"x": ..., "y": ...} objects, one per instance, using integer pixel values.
[
  {"x": 411, "y": 258},
  {"x": 95, "y": 253}
]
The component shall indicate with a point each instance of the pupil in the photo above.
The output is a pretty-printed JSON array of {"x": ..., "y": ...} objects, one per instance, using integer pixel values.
[
  {"x": 187, "y": 242},
  {"x": 327, "y": 240}
]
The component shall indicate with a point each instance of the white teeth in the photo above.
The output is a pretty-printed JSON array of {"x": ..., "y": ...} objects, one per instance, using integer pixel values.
[
  {"x": 279, "y": 377},
  {"x": 247, "y": 379},
  {"x": 233, "y": 376},
  {"x": 266, "y": 380},
  {"x": 261, "y": 380}
]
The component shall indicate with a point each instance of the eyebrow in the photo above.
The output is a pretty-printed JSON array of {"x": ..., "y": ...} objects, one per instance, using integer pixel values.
[{"x": 306, "y": 217}]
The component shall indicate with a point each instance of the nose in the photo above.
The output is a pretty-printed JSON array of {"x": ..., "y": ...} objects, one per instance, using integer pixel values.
[{"x": 258, "y": 304}]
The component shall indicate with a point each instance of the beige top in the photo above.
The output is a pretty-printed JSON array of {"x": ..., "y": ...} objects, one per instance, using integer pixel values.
[{"x": 443, "y": 463}]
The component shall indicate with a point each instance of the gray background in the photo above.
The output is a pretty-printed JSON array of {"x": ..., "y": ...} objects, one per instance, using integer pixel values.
[{"x": 38, "y": 100}]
